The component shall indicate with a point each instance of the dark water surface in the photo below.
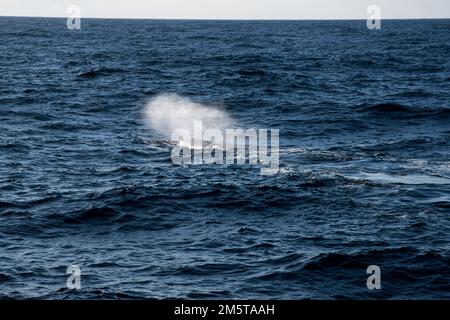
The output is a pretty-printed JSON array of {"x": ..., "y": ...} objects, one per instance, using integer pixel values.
[{"x": 364, "y": 120}]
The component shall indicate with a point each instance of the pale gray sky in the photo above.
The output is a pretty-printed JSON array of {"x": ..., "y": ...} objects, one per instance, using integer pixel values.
[{"x": 229, "y": 9}]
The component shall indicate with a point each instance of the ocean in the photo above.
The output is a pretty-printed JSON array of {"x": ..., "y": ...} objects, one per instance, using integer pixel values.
[{"x": 364, "y": 179}]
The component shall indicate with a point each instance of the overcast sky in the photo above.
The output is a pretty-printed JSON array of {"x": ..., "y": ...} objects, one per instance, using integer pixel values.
[{"x": 229, "y": 9}]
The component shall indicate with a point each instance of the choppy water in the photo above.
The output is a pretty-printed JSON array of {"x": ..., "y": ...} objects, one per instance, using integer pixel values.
[{"x": 364, "y": 120}]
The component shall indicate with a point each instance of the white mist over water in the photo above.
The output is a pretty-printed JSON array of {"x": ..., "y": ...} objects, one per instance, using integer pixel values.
[
  {"x": 210, "y": 133},
  {"x": 169, "y": 112}
]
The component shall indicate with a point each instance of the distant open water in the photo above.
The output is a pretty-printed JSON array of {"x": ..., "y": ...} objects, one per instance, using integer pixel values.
[{"x": 364, "y": 120}]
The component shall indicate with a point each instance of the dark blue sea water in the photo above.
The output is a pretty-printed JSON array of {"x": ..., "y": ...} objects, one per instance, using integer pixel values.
[{"x": 364, "y": 120}]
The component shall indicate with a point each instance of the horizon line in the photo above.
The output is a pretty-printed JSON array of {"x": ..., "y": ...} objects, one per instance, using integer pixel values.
[{"x": 223, "y": 19}]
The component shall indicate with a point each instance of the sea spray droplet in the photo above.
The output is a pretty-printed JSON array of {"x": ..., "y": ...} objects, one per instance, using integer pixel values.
[{"x": 169, "y": 112}]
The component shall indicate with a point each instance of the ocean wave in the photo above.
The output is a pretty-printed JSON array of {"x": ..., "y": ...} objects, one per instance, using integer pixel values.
[
  {"x": 252, "y": 72},
  {"x": 7, "y": 114},
  {"x": 100, "y": 72},
  {"x": 397, "y": 268},
  {"x": 399, "y": 110},
  {"x": 409, "y": 179},
  {"x": 91, "y": 215}
]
